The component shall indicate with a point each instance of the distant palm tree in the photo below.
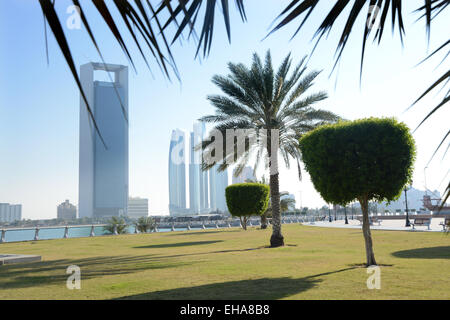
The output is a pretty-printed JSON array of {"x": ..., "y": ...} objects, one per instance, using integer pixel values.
[
  {"x": 116, "y": 223},
  {"x": 145, "y": 224},
  {"x": 259, "y": 98}
]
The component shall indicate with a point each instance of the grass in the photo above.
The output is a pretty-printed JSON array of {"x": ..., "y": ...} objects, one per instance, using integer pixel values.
[{"x": 316, "y": 263}]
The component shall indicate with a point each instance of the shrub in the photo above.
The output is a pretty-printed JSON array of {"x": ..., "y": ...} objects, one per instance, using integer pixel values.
[
  {"x": 116, "y": 223},
  {"x": 246, "y": 199},
  {"x": 364, "y": 160}
]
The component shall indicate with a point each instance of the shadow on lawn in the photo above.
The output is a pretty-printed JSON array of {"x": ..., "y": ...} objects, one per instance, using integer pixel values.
[
  {"x": 442, "y": 252},
  {"x": 258, "y": 289},
  {"x": 189, "y": 233},
  {"x": 178, "y": 244},
  {"x": 49, "y": 272}
]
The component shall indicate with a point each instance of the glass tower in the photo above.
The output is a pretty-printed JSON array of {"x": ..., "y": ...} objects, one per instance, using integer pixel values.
[{"x": 103, "y": 165}]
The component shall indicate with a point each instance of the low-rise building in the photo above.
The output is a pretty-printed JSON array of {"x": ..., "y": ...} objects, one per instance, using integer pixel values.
[
  {"x": 137, "y": 207},
  {"x": 10, "y": 212},
  {"x": 67, "y": 211}
]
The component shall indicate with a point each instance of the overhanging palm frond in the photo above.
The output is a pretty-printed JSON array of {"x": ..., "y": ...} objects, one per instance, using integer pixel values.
[
  {"x": 376, "y": 11},
  {"x": 189, "y": 9},
  {"x": 137, "y": 21}
]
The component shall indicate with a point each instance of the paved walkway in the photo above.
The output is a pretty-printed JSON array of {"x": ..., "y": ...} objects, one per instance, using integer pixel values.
[{"x": 398, "y": 225}]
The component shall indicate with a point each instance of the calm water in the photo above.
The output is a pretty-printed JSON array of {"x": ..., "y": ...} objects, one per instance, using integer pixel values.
[{"x": 58, "y": 233}]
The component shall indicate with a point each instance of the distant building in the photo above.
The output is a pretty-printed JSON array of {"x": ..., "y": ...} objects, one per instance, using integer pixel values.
[
  {"x": 177, "y": 174},
  {"x": 198, "y": 179},
  {"x": 218, "y": 181},
  {"x": 67, "y": 211},
  {"x": 10, "y": 212},
  {"x": 246, "y": 175},
  {"x": 103, "y": 156},
  {"x": 137, "y": 207}
]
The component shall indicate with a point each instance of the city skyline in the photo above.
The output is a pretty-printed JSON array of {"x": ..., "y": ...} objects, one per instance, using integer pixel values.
[{"x": 205, "y": 189}]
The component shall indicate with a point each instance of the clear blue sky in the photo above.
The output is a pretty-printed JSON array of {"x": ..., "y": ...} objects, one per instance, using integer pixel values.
[{"x": 39, "y": 104}]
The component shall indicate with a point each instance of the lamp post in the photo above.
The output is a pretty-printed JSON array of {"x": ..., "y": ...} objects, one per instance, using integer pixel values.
[
  {"x": 407, "y": 223},
  {"x": 352, "y": 211},
  {"x": 345, "y": 211}
]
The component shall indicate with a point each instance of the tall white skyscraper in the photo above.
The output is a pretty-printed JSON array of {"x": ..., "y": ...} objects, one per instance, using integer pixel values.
[
  {"x": 198, "y": 179},
  {"x": 218, "y": 181},
  {"x": 177, "y": 174},
  {"x": 103, "y": 168}
]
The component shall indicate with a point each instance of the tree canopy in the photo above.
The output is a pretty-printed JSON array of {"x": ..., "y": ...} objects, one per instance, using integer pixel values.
[{"x": 368, "y": 157}]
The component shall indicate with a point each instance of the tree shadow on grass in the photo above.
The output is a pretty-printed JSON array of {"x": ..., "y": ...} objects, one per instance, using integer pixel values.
[
  {"x": 442, "y": 252},
  {"x": 257, "y": 289},
  {"x": 54, "y": 271},
  {"x": 189, "y": 233},
  {"x": 178, "y": 244}
]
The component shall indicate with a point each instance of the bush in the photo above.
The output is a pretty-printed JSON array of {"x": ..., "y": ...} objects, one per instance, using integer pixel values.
[
  {"x": 246, "y": 199},
  {"x": 145, "y": 224},
  {"x": 364, "y": 160},
  {"x": 116, "y": 223}
]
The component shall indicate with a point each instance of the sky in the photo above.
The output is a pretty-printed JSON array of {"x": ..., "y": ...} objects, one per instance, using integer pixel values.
[{"x": 39, "y": 102}]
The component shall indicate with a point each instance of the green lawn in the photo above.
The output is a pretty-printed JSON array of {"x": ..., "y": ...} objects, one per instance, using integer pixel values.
[{"x": 316, "y": 263}]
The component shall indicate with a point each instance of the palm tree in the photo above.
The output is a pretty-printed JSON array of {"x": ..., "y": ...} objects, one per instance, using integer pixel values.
[
  {"x": 271, "y": 103},
  {"x": 145, "y": 224},
  {"x": 116, "y": 224}
]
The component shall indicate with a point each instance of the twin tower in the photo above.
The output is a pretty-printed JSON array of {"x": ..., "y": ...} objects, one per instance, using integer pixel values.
[{"x": 206, "y": 188}]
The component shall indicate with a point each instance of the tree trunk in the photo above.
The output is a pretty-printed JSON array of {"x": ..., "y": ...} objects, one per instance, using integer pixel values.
[
  {"x": 243, "y": 222},
  {"x": 366, "y": 232},
  {"x": 277, "y": 238},
  {"x": 264, "y": 221}
]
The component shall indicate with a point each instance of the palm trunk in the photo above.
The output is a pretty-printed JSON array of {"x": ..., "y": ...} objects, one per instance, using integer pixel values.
[
  {"x": 370, "y": 256},
  {"x": 264, "y": 221},
  {"x": 277, "y": 238}
]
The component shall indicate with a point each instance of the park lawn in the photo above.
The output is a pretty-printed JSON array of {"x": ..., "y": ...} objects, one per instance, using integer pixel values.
[{"x": 316, "y": 263}]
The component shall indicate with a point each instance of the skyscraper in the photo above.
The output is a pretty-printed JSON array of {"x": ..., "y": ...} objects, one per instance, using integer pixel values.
[
  {"x": 198, "y": 179},
  {"x": 103, "y": 167},
  {"x": 177, "y": 173},
  {"x": 218, "y": 181}
]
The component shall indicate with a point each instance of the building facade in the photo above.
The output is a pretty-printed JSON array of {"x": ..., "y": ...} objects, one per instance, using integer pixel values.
[
  {"x": 218, "y": 181},
  {"x": 103, "y": 165},
  {"x": 67, "y": 211},
  {"x": 10, "y": 212},
  {"x": 137, "y": 207},
  {"x": 177, "y": 174},
  {"x": 198, "y": 179}
]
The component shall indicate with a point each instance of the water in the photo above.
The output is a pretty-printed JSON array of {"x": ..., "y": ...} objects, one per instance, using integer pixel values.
[{"x": 75, "y": 232}]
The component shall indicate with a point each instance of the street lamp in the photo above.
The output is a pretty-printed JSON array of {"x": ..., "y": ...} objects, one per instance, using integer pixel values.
[
  {"x": 407, "y": 223},
  {"x": 345, "y": 211}
]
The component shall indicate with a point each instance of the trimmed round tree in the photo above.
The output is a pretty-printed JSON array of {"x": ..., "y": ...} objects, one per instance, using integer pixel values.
[
  {"x": 363, "y": 160},
  {"x": 247, "y": 199}
]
